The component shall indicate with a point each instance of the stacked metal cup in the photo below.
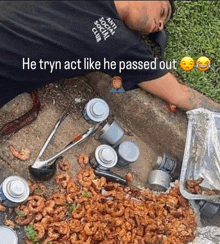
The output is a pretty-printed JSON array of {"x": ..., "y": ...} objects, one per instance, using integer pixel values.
[
  {"x": 104, "y": 157},
  {"x": 208, "y": 209},
  {"x": 159, "y": 179},
  {"x": 128, "y": 153},
  {"x": 7, "y": 235},
  {"x": 13, "y": 191},
  {"x": 127, "y": 150},
  {"x": 96, "y": 111},
  {"x": 112, "y": 134}
]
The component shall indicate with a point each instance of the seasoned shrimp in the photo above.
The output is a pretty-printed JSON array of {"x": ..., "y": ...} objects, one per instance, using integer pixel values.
[
  {"x": 83, "y": 159},
  {"x": 24, "y": 154},
  {"x": 38, "y": 217},
  {"x": 129, "y": 177},
  {"x": 72, "y": 187},
  {"x": 64, "y": 165},
  {"x": 79, "y": 213},
  {"x": 40, "y": 231},
  {"x": 61, "y": 227},
  {"x": 39, "y": 188},
  {"x": 85, "y": 177},
  {"x": 98, "y": 184},
  {"x": 76, "y": 225},
  {"x": 49, "y": 207},
  {"x": 59, "y": 213},
  {"x": 90, "y": 228},
  {"x": 22, "y": 210},
  {"x": 24, "y": 220},
  {"x": 58, "y": 198},
  {"x": 35, "y": 203},
  {"x": 9, "y": 223},
  {"x": 46, "y": 221},
  {"x": 2, "y": 208},
  {"x": 63, "y": 179}
]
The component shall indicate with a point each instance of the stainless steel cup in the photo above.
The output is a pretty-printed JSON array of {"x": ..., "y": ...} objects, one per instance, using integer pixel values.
[
  {"x": 105, "y": 157},
  {"x": 96, "y": 111},
  {"x": 208, "y": 209},
  {"x": 13, "y": 191},
  {"x": 166, "y": 163},
  {"x": 128, "y": 153},
  {"x": 112, "y": 134},
  {"x": 158, "y": 180},
  {"x": 7, "y": 235}
]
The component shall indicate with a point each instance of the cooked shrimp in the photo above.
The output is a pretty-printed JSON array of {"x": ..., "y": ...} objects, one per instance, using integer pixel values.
[
  {"x": 85, "y": 177},
  {"x": 63, "y": 179},
  {"x": 83, "y": 159},
  {"x": 24, "y": 154},
  {"x": 193, "y": 183},
  {"x": 64, "y": 165},
  {"x": 46, "y": 221},
  {"x": 39, "y": 188},
  {"x": 49, "y": 207},
  {"x": 40, "y": 231},
  {"x": 99, "y": 183},
  {"x": 76, "y": 225},
  {"x": 35, "y": 203},
  {"x": 38, "y": 217},
  {"x": 22, "y": 210},
  {"x": 58, "y": 198},
  {"x": 59, "y": 213},
  {"x": 2, "y": 208},
  {"x": 9, "y": 223},
  {"x": 129, "y": 177},
  {"x": 72, "y": 187},
  {"x": 90, "y": 228},
  {"x": 62, "y": 228},
  {"x": 24, "y": 220}
]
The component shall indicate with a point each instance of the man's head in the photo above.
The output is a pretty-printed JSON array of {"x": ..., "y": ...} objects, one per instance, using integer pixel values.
[{"x": 145, "y": 16}]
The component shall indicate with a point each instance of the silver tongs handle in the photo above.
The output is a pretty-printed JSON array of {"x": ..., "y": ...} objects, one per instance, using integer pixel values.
[
  {"x": 57, "y": 125},
  {"x": 45, "y": 163}
]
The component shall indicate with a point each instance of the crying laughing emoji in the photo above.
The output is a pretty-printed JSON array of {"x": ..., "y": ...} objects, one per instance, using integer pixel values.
[{"x": 203, "y": 63}]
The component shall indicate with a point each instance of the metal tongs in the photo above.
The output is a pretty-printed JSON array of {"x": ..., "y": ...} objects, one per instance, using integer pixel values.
[{"x": 39, "y": 168}]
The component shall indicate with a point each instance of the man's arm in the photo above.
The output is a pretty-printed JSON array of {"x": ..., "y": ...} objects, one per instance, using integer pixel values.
[{"x": 168, "y": 88}]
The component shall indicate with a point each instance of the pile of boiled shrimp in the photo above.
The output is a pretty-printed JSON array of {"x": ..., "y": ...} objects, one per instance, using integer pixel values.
[{"x": 88, "y": 209}]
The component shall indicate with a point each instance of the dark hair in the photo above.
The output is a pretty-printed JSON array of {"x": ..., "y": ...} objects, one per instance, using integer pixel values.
[{"x": 172, "y": 8}]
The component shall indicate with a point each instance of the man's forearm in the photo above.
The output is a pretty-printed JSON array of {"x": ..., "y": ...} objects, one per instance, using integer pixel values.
[
  {"x": 185, "y": 98},
  {"x": 197, "y": 100}
]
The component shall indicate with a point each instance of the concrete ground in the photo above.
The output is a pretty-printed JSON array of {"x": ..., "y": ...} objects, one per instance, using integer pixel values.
[{"x": 144, "y": 118}]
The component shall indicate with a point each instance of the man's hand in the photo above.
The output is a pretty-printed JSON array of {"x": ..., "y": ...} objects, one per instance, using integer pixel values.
[{"x": 168, "y": 88}]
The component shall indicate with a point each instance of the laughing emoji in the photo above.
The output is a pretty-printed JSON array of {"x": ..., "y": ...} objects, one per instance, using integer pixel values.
[
  {"x": 203, "y": 63},
  {"x": 187, "y": 63}
]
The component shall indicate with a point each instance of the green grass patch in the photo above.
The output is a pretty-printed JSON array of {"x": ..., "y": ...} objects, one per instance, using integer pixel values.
[{"x": 195, "y": 31}]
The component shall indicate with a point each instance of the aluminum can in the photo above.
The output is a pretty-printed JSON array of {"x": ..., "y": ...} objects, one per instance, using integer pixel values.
[
  {"x": 112, "y": 134},
  {"x": 7, "y": 235},
  {"x": 105, "y": 157},
  {"x": 158, "y": 180},
  {"x": 13, "y": 191},
  {"x": 128, "y": 153},
  {"x": 166, "y": 163},
  {"x": 96, "y": 111}
]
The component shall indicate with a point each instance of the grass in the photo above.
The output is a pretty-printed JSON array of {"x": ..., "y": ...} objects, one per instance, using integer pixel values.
[{"x": 195, "y": 31}]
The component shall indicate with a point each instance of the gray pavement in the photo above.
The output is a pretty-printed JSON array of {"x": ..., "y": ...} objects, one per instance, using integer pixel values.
[{"x": 145, "y": 119}]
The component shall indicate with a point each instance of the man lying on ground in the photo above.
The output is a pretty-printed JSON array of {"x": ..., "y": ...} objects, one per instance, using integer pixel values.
[{"x": 44, "y": 41}]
